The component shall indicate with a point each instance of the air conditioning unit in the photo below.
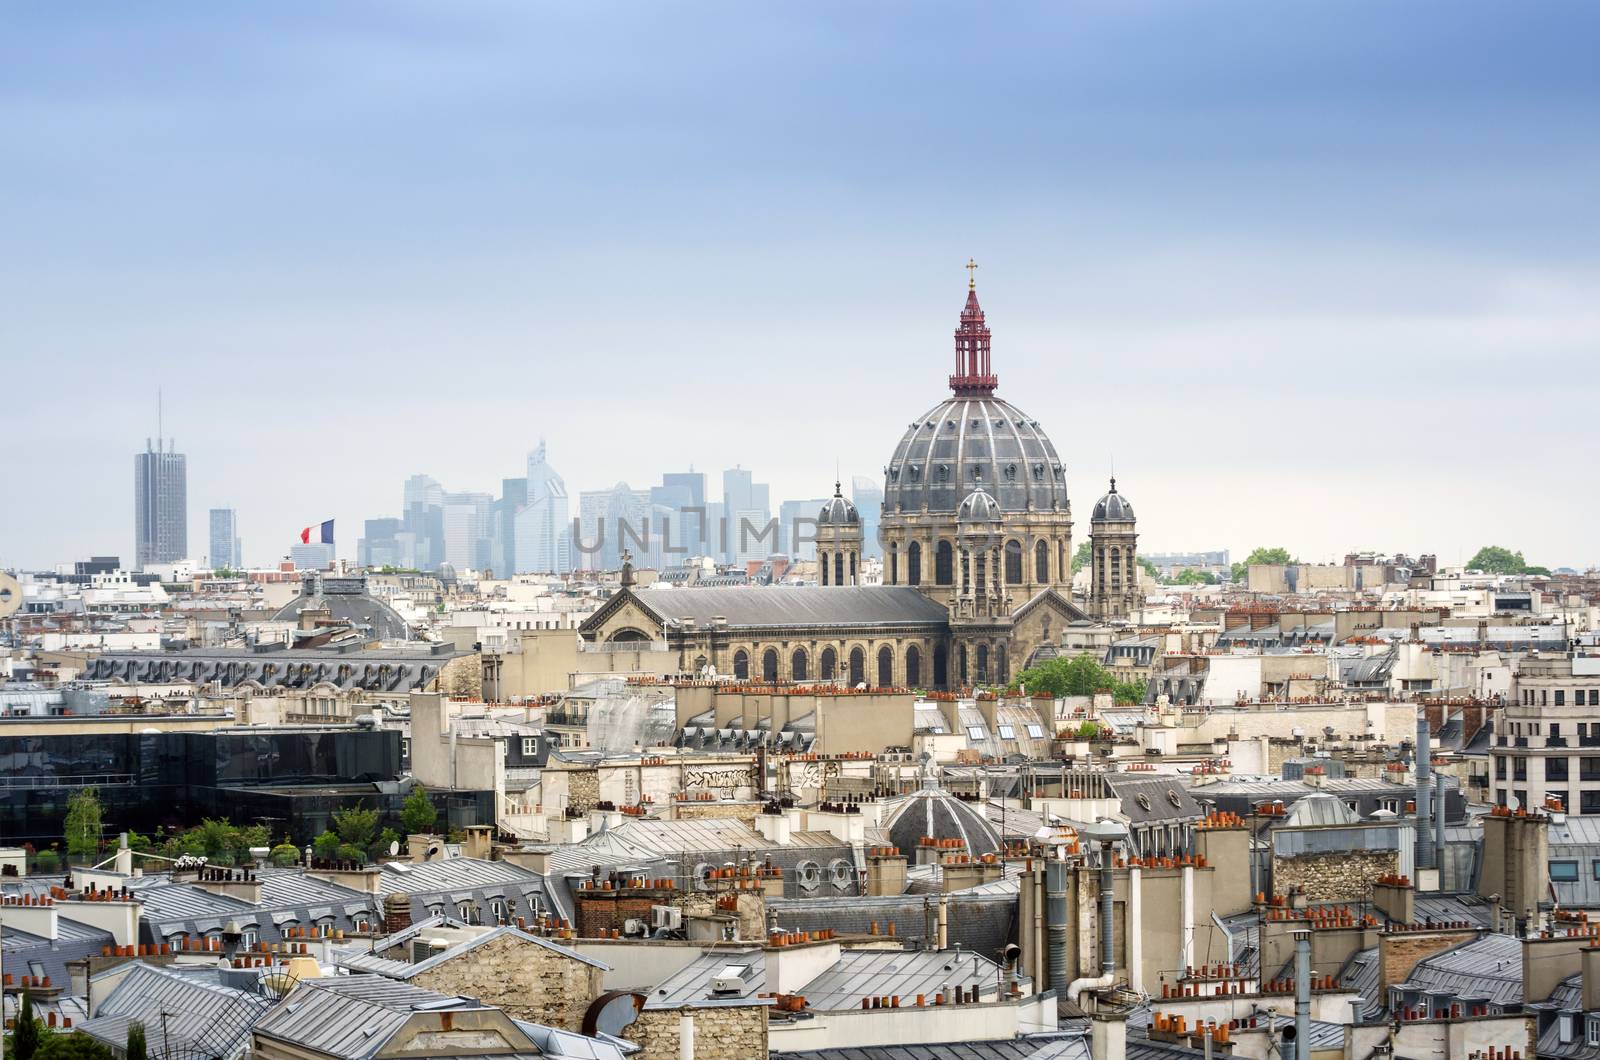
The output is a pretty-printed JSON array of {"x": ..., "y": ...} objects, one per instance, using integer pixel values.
[
  {"x": 666, "y": 918},
  {"x": 728, "y": 981},
  {"x": 633, "y": 928}
]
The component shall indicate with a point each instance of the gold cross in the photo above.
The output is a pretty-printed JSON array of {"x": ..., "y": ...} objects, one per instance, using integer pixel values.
[{"x": 972, "y": 276}]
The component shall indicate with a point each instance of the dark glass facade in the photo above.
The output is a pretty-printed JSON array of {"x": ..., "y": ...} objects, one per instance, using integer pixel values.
[{"x": 291, "y": 779}]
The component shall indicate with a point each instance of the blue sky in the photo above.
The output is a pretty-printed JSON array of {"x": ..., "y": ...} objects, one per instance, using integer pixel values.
[{"x": 1322, "y": 275}]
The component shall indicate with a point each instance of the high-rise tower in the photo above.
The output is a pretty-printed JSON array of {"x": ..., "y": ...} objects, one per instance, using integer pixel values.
[{"x": 160, "y": 504}]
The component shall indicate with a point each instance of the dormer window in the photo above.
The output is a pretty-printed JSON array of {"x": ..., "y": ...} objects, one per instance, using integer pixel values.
[
  {"x": 1011, "y": 472},
  {"x": 944, "y": 472}
]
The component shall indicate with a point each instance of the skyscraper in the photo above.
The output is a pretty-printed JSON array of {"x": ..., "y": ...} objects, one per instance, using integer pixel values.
[
  {"x": 543, "y": 529},
  {"x": 161, "y": 504},
  {"x": 225, "y": 548},
  {"x": 868, "y": 496}
]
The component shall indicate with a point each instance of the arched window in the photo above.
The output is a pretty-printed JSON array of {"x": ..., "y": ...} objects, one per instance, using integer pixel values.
[
  {"x": 852, "y": 569},
  {"x": 858, "y": 666},
  {"x": 830, "y": 664},
  {"x": 699, "y": 663},
  {"x": 838, "y": 568},
  {"x": 797, "y": 665},
  {"x": 1041, "y": 562},
  {"x": 885, "y": 667},
  {"x": 822, "y": 565},
  {"x": 769, "y": 665},
  {"x": 983, "y": 663},
  {"x": 741, "y": 664},
  {"x": 944, "y": 568},
  {"x": 914, "y": 563},
  {"x": 894, "y": 566},
  {"x": 1013, "y": 563},
  {"x": 1116, "y": 568},
  {"x": 913, "y": 667},
  {"x": 941, "y": 666},
  {"x": 1001, "y": 674},
  {"x": 961, "y": 664}
]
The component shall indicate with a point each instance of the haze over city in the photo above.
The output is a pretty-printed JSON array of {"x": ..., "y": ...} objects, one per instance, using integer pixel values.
[{"x": 1320, "y": 277}]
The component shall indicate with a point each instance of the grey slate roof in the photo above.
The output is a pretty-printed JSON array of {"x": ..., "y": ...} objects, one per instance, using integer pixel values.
[
  {"x": 756, "y": 606},
  {"x": 937, "y": 813},
  {"x": 1033, "y": 1047},
  {"x": 394, "y": 968},
  {"x": 1489, "y": 967},
  {"x": 181, "y": 1013},
  {"x": 352, "y": 1016}
]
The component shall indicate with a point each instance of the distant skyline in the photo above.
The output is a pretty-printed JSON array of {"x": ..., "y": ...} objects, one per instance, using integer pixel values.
[{"x": 1322, "y": 275}]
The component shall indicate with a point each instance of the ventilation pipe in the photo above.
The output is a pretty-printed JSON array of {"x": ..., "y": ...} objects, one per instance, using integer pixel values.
[
  {"x": 1438, "y": 825},
  {"x": 1106, "y": 832},
  {"x": 1302, "y": 994},
  {"x": 1424, "y": 770},
  {"x": 1055, "y": 885},
  {"x": 685, "y": 1035}
]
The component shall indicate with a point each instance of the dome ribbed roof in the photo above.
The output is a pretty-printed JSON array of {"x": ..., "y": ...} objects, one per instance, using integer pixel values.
[
  {"x": 1113, "y": 507},
  {"x": 968, "y": 443},
  {"x": 979, "y": 507},
  {"x": 838, "y": 511}
]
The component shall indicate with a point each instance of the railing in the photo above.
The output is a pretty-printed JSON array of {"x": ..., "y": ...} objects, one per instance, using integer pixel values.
[{"x": 613, "y": 646}]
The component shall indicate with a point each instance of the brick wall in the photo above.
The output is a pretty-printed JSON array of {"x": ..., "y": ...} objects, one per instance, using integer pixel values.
[
  {"x": 1342, "y": 877},
  {"x": 1399, "y": 952},
  {"x": 527, "y": 980},
  {"x": 601, "y": 911},
  {"x": 725, "y": 1033}
]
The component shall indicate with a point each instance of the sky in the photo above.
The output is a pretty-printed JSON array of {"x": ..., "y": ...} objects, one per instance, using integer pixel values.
[{"x": 1318, "y": 275}]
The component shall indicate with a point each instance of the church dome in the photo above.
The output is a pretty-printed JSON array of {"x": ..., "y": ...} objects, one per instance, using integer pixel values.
[
  {"x": 1113, "y": 507},
  {"x": 937, "y": 814},
  {"x": 979, "y": 507},
  {"x": 838, "y": 511},
  {"x": 974, "y": 441}
]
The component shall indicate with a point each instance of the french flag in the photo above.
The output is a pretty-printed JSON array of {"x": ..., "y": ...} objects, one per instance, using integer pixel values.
[{"x": 325, "y": 532}]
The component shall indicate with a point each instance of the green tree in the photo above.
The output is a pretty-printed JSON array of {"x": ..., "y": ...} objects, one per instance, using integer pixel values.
[
  {"x": 418, "y": 813},
  {"x": 1077, "y": 676},
  {"x": 325, "y": 846},
  {"x": 82, "y": 829},
  {"x": 72, "y": 1046},
  {"x": 136, "y": 1048},
  {"x": 1241, "y": 571},
  {"x": 285, "y": 855},
  {"x": 46, "y": 861},
  {"x": 1149, "y": 568},
  {"x": 356, "y": 827},
  {"x": 1089, "y": 730},
  {"x": 1493, "y": 559},
  {"x": 25, "y": 1039},
  {"x": 386, "y": 839},
  {"x": 217, "y": 840},
  {"x": 1195, "y": 577},
  {"x": 1081, "y": 556},
  {"x": 351, "y": 852}
]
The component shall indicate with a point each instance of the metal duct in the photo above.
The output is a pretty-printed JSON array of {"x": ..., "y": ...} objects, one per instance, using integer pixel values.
[
  {"x": 1438, "y": 825},
  {"x": 1108, "y": 958},
  {"x": 1424, "y": 770},
  {"x": 1302, "y": 994},
  {"x": 1055, "y": 883}
]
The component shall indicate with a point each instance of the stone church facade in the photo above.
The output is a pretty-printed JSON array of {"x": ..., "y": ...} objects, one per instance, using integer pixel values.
[{"x": 976, "y": 530}]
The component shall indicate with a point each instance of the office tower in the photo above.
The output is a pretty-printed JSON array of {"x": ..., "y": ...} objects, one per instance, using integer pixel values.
[
  {"x": 609, "y": 522},
  {"x": 797, "y": 528},
  {"x": 543, "y": 528},
  {"x": 678, "y": 518},
  {"x": 161, "y": 504},
  {"x": 423, "y": 513},
  {"x": 379, "y": 545},
  {"x": 225, "y": 549},
  {"x": 746, "y": 501},
  {"x": 868, "y": 496},
  {"x": 313, "y": 556},
  {"x": 467, "y": 530},
  {"x": 513, "y": 498}
]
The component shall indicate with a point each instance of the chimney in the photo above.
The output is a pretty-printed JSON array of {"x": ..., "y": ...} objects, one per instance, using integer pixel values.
[
  {"x": 396, "y": 913},
  {"x": 774, "y": 827},
  {"x": 886, "y": 872},
  {"x": 1302, "y": 994},
  {"x": 480, "y": 842},
  {"x": 1109, "y": 1040},
  {"x": 1591, "y": 978}
]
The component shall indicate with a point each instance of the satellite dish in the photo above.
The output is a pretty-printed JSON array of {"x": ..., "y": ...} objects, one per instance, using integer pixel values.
[{"x": 394, "y": 847}]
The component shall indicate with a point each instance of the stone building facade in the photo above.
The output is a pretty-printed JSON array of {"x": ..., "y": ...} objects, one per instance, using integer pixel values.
[
  {"x": 1113, "y": 552},
  {"x": 721, "y": 1032},
  {"x": 528, "y": 978}
]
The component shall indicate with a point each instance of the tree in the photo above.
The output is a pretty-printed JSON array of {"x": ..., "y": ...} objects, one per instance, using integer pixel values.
[
  {"x": 1493, "y": 559},
  {"x": 1195, "y": 577},
  {"x": 1241, "y": 571},
  {"x": 72, "y": 1046},
  {"x": 1081, "y": 556},
  {"x": 285, "y": 855},
  {"x": 1079, "y": 676},
  {"x": 356, "y": 827},
  {"x": 418, "y": 814},
  {"x": 25, "y": 1040},
  {"x": 387, "y": 839},
  {"x": 136, "y": 1048},
  {"x": 82, "y": 828},
  {"x": 1149, "y": 568},
  {"x": 325, "y": 846}
]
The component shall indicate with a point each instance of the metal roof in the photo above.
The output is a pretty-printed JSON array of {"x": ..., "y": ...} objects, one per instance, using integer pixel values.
[
  {"x": 450, "y": 874},
  {"x": 353, "y": 1015},
  {"x": 180, "y": 1013},
  {"x": 754, "y": 606},
  {"x": 1489, "y": 967},
  {"x": 1033, "y": 1047}
]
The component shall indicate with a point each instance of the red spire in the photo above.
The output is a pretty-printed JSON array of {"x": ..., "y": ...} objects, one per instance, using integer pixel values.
[{"x": 973, "y": 377}]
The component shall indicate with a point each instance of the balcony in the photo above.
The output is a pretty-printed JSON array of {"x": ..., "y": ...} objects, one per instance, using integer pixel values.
[{"x": 1555, "y": 741}]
